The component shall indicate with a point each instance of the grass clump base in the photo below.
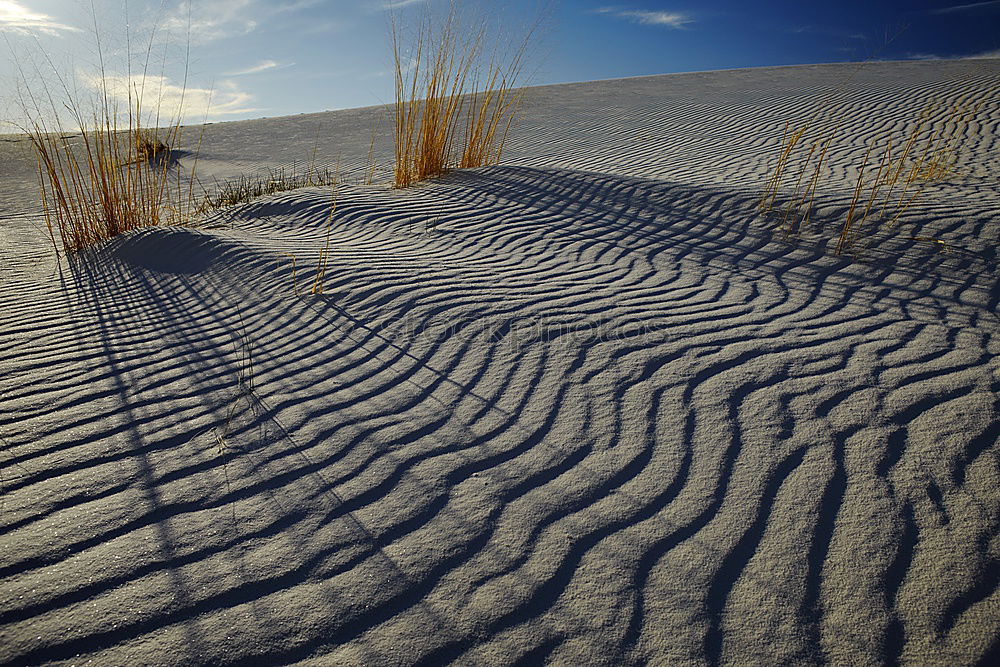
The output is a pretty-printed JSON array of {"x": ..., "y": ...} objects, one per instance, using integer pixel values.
[
  {"x": 246, "y": 187},
  {"x": 148, "y": 145}
]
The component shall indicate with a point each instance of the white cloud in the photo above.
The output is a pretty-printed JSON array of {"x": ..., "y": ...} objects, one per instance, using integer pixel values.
[
  {"x": 15, "y": 17},
  {"x": 168, "y": 101},
  {"x": 965, "y": 8},
  {"x": 209, "y": 21},
  {"x": 672, "y": 19},
  {"x": 262, "y": 66},
  {"x": 986, "y": 54},
  {"x": 648, "y": 17},
  {"x": 396, "y": 4}
]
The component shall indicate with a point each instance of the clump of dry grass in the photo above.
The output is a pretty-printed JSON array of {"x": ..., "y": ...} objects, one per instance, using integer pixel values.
[
  {"x": 881, "y": 195},
  {"x": 442, "y": 87},
  {"x": 492, "y": 111},
  {"x": 248, "y": 187},
  {"x": 108, "y": 182},
  {"x": 116, "y": 176},
  {"x": 429, "y": 97},
  {"x": 149, "y": 146}
]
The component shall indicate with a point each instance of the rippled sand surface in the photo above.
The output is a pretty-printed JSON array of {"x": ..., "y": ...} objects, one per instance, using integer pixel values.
[{"x": 586, "y": 407}]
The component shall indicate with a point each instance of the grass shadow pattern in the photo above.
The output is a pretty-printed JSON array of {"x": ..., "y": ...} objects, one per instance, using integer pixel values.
[{"x": 520, "y": 389}]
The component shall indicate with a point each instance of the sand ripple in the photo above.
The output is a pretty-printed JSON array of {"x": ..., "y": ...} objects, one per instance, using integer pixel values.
[{"x": 539, "y": 413}]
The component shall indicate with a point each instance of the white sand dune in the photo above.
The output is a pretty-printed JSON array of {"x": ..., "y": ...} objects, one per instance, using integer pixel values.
[{"x": 582, "y": 408}]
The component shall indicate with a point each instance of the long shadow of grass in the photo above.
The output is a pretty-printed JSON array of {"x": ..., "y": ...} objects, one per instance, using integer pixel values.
[{"x": 344, "y": 400}]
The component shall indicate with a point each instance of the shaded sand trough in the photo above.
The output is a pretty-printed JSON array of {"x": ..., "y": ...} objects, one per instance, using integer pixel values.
[{"x": 582, "y": 408}]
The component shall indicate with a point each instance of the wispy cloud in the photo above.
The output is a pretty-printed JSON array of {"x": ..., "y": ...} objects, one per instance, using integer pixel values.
[
  {"x": 672, "y": 19},
  {"x": 170, "y": 101},
  {"x": 208, "y": 21},
  {"x": 396, "y": 4},
  {"x": 648, "y": 17},
  {"x": 262, "y": 66},
  {"x": 983, "y": 55},
  {"x": 218, "y": 19},
  {"x": 821, "y": 30},
  {"x": 15, "y": 17},
  {"x": 971, "y": 7}
]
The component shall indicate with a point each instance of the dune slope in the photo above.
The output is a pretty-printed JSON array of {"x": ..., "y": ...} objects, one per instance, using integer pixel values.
[{"x": 583, "y": 408}]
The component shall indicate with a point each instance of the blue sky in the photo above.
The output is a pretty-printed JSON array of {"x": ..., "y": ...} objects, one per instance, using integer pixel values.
[{"x": 253, "y": 58}]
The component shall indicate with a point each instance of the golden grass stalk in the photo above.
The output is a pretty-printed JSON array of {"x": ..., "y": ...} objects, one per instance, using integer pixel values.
[
  {"x": 904, "y": 204},
  {"x": 845, "y": 231},
  {"x": 115, "y": 178},
  {"x": 324, "y": 254},
  {"x": 440, "y": 89},
  {"x": 911, "y": 140},
  {"x": 429, "y": 97},
  {"x": 883, "y": 168},
  {"x": 108, "y": 185},
  {"x": 938, "y": 156},
  {"x": 493, "y": 110},
  {"x": 788, "y": 143},
  {"x": 798, "y": 183},
  {"x": 914, "y": 175},
  {"x": 295, "y": 276},
  {"x": 928, "y": 152},
  {"x": 811, "y": 189},
  {"x": 370, "y": 164},
  {"x": 771, "y": 186},
  {"x": 247, "y": 187}
]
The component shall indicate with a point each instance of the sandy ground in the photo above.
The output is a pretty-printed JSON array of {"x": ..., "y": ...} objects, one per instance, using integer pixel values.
[{"x": 582, "y": 408}]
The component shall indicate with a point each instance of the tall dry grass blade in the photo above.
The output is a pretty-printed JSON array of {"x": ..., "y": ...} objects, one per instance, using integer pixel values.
[
  {"x": 114, "y": 178},
  {"x": 496, "y": 108},
  {"x": 771, "y": 183},
  {"x": 324, "y": 254},
  {"x": 846, "y": 229},
  {"x": 798, "y": 183},
  {"x": 814, "y": 183},
  {"x": 902, "y": 205},
  {"x": 910, "y": 141},
  {"x": 876, "y": 186},
  {"x": 441, "y": 91},
  {"x": 370, "y": 164},
  {"x": 774, "y": 183}
]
